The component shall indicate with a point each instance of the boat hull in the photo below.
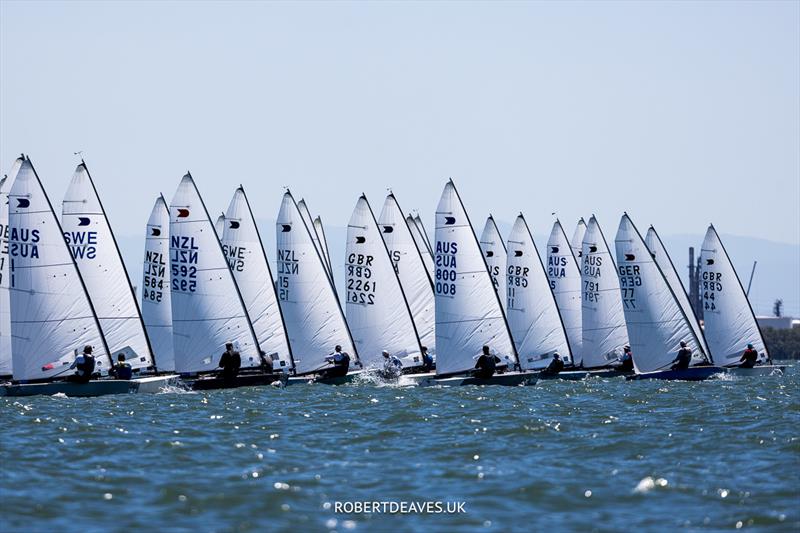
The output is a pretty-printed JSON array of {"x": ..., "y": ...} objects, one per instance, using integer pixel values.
[
  {"x": 696, "y": 373},
  {"x": 245, "y": 380},
  {"x": 577, "y": 375},
  {"x": 509, "y": 379},
  {"x": 761, "y": 370},
  {"x": 100, "y": 387},
  {"x": 317, "y": 378}
]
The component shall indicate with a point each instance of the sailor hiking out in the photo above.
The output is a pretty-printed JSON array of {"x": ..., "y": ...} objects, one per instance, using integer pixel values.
[
  {"x": 122, "y": 369},
  {"x": 486, "y": 365},
  {"x": 230, "y": 363},
  {"x": 683, "y": 359},
  {"x": 392, "y": 366},
  {"x": 84, "y": 366}
]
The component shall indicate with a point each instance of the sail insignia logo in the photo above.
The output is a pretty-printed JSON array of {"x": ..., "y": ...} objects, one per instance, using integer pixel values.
[
  {"x": 361, "y": 240},
  {"x": 23, "y": 202},
  {"x": 489, "y": 253},
  {"x": 183, "y": 213},
  {"x": 286, "y": 228},
  {"x": 234, "y": 224},
  {"x": 388, "y": 229},
  {"x": 155, "y": 232},
  {"x": 449, "y": 221},
  {"x": 517, "y": 253},
  {"x": 709, "y": 262},
  {"x": 84, "y": 221},
  {"x": 592, "y": 249},
  {"x": 629, "y": 257},
  {"x": 554, "y": 249}
]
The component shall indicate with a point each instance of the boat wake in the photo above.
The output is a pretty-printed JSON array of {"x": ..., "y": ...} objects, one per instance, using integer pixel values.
[{"x": 176, "y": 389}]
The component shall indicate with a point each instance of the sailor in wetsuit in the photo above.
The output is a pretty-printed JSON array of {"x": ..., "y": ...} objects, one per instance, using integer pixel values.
[
  {"x": 392, "y": 366},
  {"x": 230, "y": 363},
  {"x": 555, "y": 366},
  {"x": 749, "y": 357},
  {"x": 626, "y": 360},
  {"x": 684, "y": 358},
  {"x": 486, "y": 365},
  {"x": 84, "y": 365},
  {"x": 121, "y": 370},
  {"x": 341, "y": 363},
  {"x": 428, "y": 365}
]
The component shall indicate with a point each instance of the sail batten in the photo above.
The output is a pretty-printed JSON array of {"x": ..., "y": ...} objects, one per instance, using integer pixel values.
[
  {"x": 207, "y": 307},
  {"x": 468, "y": 310}
]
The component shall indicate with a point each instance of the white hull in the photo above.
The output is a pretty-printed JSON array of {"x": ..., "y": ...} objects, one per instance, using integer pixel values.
[{"x": 100, "y": 387}]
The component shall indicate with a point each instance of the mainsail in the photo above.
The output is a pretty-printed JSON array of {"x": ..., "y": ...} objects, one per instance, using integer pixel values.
[
  {"x": 423, "y": 232},
  {"x": 5, "y": 302},
  {"x": 576, "y": 243},
  {"x": 314, "y": 318},
  {"x": 655, "y": 321},
  {"x": 414, "y": 276},
  {"x": 247, "y": 259},
  {"x": 309, "y": 222},
  {"x": 602, "y": 317},
  {"x": 468, "y": 310},
  {"x": 494, "y": 252},
  {"x": 52, "y": 317},
  {"x": 156, "y": 292},
  {"x": 323, "y": 245},
  {"x": 207, "y": 307},
  {"x": 377, "y": 310},
  {"x": 659, "y": 253},
  {"x": 564, "y": 274},
  {"x": 730, "y": 324},
  {"x": 94, "y": 248},
  {"x": 422, "y": 245},
  {"x": 219, "y": 225},
  {"x": 533, "y": 315}
]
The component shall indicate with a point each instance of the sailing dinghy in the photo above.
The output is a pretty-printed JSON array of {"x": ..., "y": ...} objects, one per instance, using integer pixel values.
[
  {"x": 602, "y": 317},
  {"x": 52, "y": 316},
  {"x": 415, "y": 279},
  {"x": 5, "y": 302},
  {"x": 730, "y": 324},
  {"x": 207, "y": 307},
  {"x": 494, "y": 252},
  {"x": 468, "y": 310},
  {"x": 156, "y": 293},
  {"x": 377, "y": 309},
  {"x": 247, "y": 259},
  {"x": 656, "y": 322},
  {"x": 564, "y": 274},
  {"x": 533, "y": 316},
  {"x": 314, "y": 319},
  {"x": 94, "y": 249}
]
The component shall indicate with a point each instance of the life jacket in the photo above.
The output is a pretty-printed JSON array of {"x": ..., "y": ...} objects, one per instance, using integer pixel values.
[
  {"x": 86, "y": 367},
  {"x": 124, "y": 371}
]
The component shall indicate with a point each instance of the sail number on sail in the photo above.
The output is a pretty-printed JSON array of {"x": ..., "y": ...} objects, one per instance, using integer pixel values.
[
  {"x": 446, "y": 267},
  {"x": 82, "y": 244},
  {"x": 184, "y": 256},
  {"x": 629, "y": 277},
  {"x": 154, "y": 273},
  {"x": 360, "y": 287},
  {"x": 288, "y": 265},
  {"x": 517, "y": 277},
  {"x": 556, "y": 268},
  {"x": 712, "y": 284}
]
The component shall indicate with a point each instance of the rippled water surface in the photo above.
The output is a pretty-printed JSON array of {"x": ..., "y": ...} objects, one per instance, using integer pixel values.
[{"x": 600, "y": 454}]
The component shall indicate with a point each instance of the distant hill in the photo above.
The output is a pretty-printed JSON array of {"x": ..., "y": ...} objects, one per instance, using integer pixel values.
[{"x": 777, "y": 273}]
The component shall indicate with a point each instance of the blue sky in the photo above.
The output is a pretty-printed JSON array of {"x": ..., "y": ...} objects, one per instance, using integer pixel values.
[{"x": 679, "y": 113}]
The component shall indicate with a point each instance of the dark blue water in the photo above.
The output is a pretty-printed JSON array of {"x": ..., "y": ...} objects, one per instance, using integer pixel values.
[{"x": 714, "y": 455}]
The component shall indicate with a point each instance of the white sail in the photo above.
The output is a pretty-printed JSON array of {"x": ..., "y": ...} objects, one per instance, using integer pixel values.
[
  {"x": 377, "y": 310},
  {"x": 92, "y": 243},
  {"x": 659, "y": 253},
  {"x": 247, "y": 259},
  {"x": 309, "y": 222},
  {"x": 468, "y": 310},
  {"x": 494, "y": 252},
  {"x": 414, "y": 275},
  {"x": 156, "y": 292},
  {"x": 5, "y": 298},
  {"x": 602, "y": 317},
  {"x": 655, "y": 322},
  {"x": 219, "y": 225},
  {"x": 422, "y": 246},
  {"x": 730, "y": 324},
  {"x": 576, "y": 242},
  {"x": 207, "y": 308},
  {"x": 323, "y": 244},
  {"x": 423, "y": 232},
  {"x": 533, "y": 315},
  {"x": 52, "y": 317},
  {"x": 314, "y": 318},
  {"x": 564, "y": 274}
]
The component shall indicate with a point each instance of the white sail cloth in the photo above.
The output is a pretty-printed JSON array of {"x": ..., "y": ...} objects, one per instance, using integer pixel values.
[
  {"x": 156, "y": 292},
  {"x": 602, "y": 317},
  {"x": 730, "y": 324},
  {"x": 377, "y": 310},
  {"x": 565, "y": 281},
  {"x": 94, "y": 248},
  {"x": 314, "y": 319},
  {"x": 207, "y": 308},
  {"x": 247, "y": 259},
  {"x": 468, "y": 310},
  {"x": 576, "y": 242},
  {"x": 422, "y": 244},
  {"x": 532, "y": 311},
  {"x": 659, "y": 253},
  {"x": 5, "y": 298},
  {"x": 656, "y": 323},
  {"x": 52, "y": 318},
  {"x": 411, "y": 270},
  {"x": 494, "y": 252}
]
